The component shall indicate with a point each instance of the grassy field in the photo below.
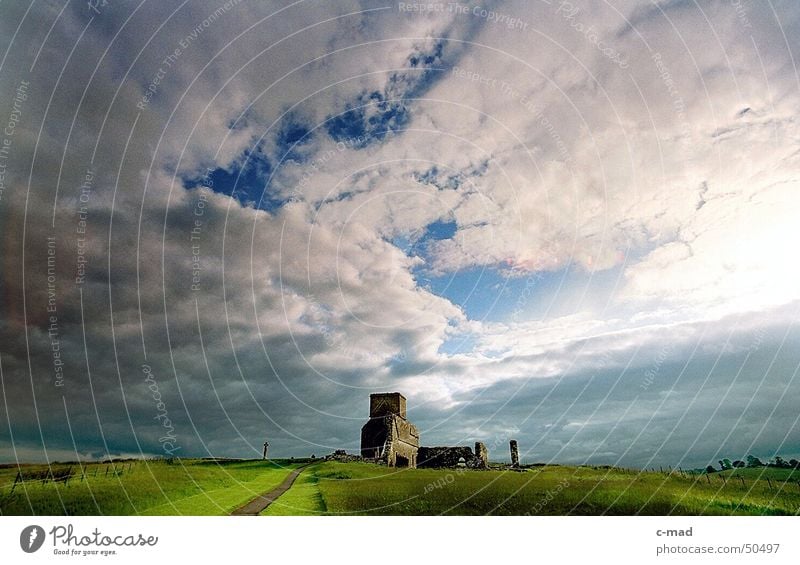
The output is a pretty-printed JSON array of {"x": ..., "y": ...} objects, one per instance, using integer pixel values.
[
  {"x": 204, "y": 487},
  {"x": 303, "y": 499},
  {"x": 362, "y": 488},
  {"x": 184, "y": 487}
]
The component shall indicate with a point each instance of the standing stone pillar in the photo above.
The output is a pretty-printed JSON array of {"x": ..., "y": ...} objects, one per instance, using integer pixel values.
[
  {"x": 482, "y": 455},
  {"x": 514, "y": 453}
]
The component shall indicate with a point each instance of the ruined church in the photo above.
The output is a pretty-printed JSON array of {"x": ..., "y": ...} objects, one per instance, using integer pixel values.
[{"x": 389, "y": 437}]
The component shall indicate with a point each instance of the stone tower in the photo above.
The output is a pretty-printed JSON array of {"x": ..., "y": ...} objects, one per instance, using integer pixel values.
[
  {"x": 514, "y": 453},
  {"x": 388, "y": 436}
]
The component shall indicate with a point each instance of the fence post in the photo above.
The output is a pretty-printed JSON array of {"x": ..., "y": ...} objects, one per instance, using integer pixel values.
[{"x": 19, "y": 477}]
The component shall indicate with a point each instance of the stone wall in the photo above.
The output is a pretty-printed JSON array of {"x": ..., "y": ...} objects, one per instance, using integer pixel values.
[
  {"x": 386, "y": 403},
  {"x": 514, "y": 453},
  {"x": 342, "y": 456},
  {"x": 445, "y": 457},
  {"x": 403, "y": 442},
  {"x": 481, "y": 455},
  {"x": 387, "y": 438}
]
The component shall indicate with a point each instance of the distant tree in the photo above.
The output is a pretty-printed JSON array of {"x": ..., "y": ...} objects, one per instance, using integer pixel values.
[
  {"x": 754, "y": 461},
  {"x": 710, "y": 469},
  {"x": 726, "y": 464},
  {"x": 780, "y": 462},
  {"x": 794, "y": 463},
  {"x": 738, "y": 463}
]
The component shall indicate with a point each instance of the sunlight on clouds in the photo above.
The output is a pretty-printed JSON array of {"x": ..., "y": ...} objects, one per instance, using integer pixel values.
[{"x": 432, "y": 203}]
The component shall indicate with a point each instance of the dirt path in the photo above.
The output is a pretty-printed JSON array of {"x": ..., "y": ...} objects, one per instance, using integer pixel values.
[{"x": 259, "y": 503}]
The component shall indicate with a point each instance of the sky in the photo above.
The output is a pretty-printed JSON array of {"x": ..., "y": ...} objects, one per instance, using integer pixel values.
[{"x": 572, "y": 224}]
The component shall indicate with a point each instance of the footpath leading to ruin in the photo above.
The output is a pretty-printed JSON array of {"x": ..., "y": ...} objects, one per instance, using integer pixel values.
[{"x": 260, "y": 503}]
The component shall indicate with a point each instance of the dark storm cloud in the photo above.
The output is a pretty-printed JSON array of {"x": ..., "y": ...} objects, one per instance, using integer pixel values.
[
  {"x": 686, "y": 405},
  {"x": 187, "y": 321}
]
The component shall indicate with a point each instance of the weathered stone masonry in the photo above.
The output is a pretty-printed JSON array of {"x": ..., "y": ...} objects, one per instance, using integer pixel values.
[
  {"x": 454, "y": 457},
  {"x": 389, "y": 437}
]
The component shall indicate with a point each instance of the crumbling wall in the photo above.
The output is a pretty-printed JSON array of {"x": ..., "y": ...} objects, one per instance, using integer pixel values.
[
  {"x": 403, "y": 442},
  {"x": 391, "y": 439},
  {"x": 481, "y": 455},
  {"x": 445, "y": 456},
  {"x": 514, "y": 453},
  {"x": 342, "y": 456}
]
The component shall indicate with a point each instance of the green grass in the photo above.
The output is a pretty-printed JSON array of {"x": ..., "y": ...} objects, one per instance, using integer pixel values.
[
  {"x": 185, "y": 487},
  {"x": 365, "y": 489},
  {"x": 204, "y": 487},
  {"x": 303, "y": 499},
  {"x": 762, "y": 473}
]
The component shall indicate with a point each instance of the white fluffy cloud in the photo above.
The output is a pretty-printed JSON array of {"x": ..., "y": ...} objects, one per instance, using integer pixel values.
[{"x": 645, "y": 154}]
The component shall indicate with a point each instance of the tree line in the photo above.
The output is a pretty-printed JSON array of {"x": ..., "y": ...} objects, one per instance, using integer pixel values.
[{"x": 753, "y": 461}]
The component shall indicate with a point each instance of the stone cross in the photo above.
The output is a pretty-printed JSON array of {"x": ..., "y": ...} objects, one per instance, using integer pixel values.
[{"x": 266, "y": 447}]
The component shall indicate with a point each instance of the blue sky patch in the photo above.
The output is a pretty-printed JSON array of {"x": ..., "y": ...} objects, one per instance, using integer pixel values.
[
  {"x": 370, "y": 119},
  {"x": 440, "y": 229},
  {"x": 293, "y": 134},
  {"x": 417, "y": 245},
  {"x": 374, "y": 115},
  {"x": 483, "y": 293},
  {"x": 450, "y": 180},
  {"x": 245, "y": 181},
  {"x": 489, "y": 293}
]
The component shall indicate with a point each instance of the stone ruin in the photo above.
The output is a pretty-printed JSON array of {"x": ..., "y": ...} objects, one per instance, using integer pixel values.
[
  {"x": 482, "y": 454},
  {"x": 454, "y": 457},
  {"x": 388, "y": 437},
  {"x": 514, "y": 453},
  {"x": 343, "y": 457}
]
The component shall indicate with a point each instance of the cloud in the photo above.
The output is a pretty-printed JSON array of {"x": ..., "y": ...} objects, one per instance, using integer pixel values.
[{"x": 265, "y": 227}]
